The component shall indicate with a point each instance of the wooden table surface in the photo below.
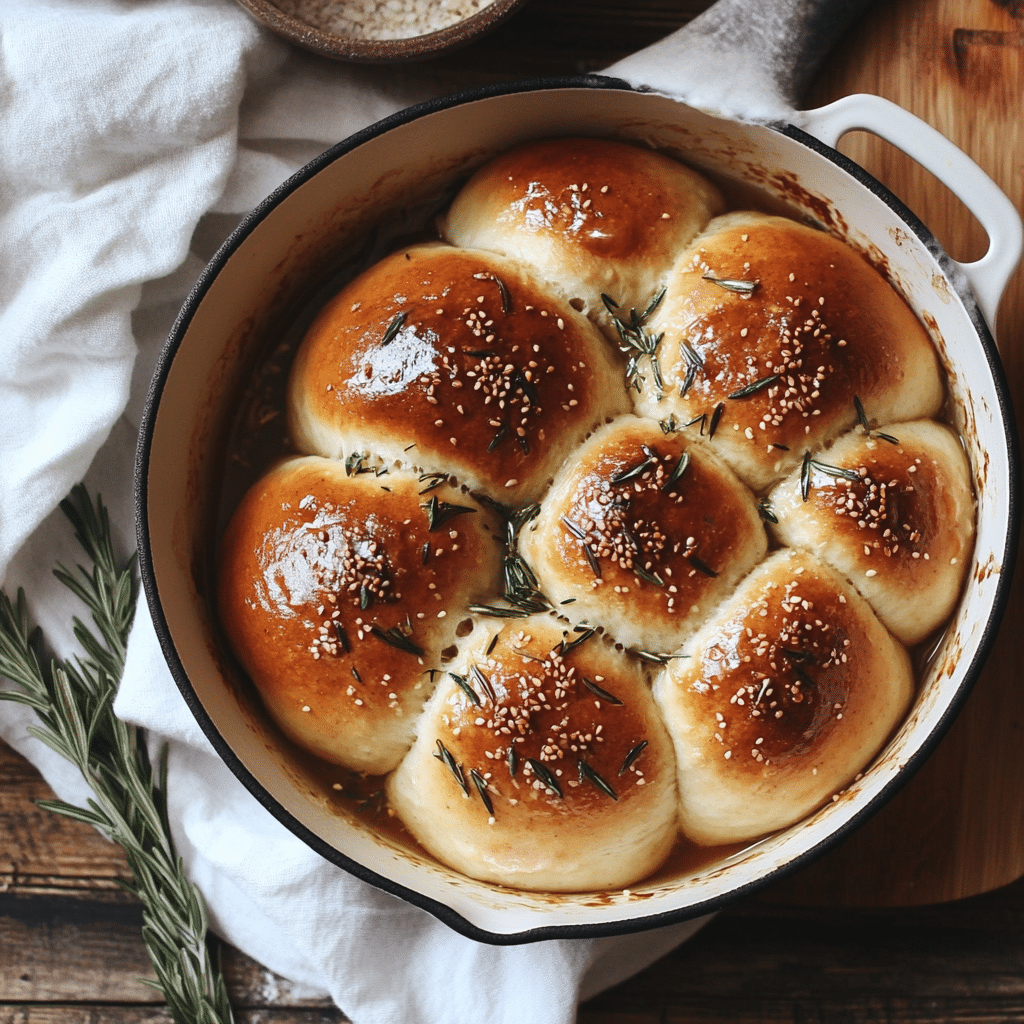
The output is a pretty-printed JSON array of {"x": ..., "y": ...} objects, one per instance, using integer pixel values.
[{"x": 836, "y": 942}]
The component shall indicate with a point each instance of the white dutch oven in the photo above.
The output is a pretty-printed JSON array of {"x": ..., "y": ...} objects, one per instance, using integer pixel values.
[{"x": 405, "y": 165}]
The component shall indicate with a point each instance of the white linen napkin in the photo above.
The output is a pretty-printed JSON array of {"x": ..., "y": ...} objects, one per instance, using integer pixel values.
[{"x": 132, "y": 138}]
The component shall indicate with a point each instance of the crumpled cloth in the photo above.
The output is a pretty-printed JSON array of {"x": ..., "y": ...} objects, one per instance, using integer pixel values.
[{"x": 133, "y": 137}]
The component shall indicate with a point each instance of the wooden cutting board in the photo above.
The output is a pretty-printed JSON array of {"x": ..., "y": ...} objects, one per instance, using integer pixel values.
[{"x": 957, "y": 829}]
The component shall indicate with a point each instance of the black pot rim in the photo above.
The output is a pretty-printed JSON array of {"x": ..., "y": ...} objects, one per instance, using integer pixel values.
[{"x": 439, "y": 910}]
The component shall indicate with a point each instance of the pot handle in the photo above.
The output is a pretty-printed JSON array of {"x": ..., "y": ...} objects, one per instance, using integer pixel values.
[{"x": 987, "y": 276}]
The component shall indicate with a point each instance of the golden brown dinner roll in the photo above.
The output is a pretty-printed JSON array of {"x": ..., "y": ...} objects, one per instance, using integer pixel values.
[
  {"x": 901, "y": 530},
  {"x": 338, "y": 594},
  {"x": 785, "y": 693},
  {"x": 643, "y": 533},
  {"x": 592, "y": 216},
  {"x": 769, "y": 329},
  {"x": 541, "y": 763},
  {"x": 453, "y": 361}
]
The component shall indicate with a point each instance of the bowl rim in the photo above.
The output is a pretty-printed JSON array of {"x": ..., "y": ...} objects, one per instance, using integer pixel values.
[
  {"x": 381, "y": 51},
  {"x": 621, "y": 926}
]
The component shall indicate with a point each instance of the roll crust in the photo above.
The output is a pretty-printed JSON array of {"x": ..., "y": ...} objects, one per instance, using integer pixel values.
[
  {"x": 643, "y": 533},
  {"x": 338, "y": 599},
  {"x": 784, "y": 694},
  {"x": 541, "y": 763},
  {"x": 902, "y": 531},
  {"x": 769, "y": 329},
  {"x": 452, "y": 361},
  {"x": 591, "y": 216}
]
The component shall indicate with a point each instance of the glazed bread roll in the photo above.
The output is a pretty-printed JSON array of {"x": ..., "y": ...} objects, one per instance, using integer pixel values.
[
  {"x": 338, "y": 595},
  {"x": 785, "y": 693},
  {"x": 592, "y": 216},
  {"x": 768, "y": 331},
  {"x": 902, "y": 530},
  {"x": 457, "y": 362},
  {"x": 643, "y": 533},
  {"x": 541, "y": 763}
]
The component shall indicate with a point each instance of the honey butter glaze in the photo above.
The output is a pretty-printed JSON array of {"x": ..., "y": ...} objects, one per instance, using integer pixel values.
[{"x": 604, "y": 525}]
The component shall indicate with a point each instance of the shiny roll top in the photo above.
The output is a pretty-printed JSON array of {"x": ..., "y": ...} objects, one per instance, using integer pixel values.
[
  {"x": 768, "y": 330},
  {"x": 643, "y": 532},
  {"x": 541, "y": 763},
  {"x": 340, "y": 594},
  {"x": 892, "y": 510},
  {"x": 454, "y": 361},
  {"x": 593, "y": 217},
  {"x": 787, "y": 691}
]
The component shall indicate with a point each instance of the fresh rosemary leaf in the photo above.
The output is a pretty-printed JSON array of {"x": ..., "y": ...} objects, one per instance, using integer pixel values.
[
  {"x": 716, "y": 418},
  {"x": 439, "y": 512},
  {"x": 650, "y": 577},
  {"x": 589, "y": 774},
  {"x": 513, "y": 761},
  {"x": 601, "y": 692},
  {"x": 463, "y": 683},
  {"x": 397, "y": 639},
  {"x": 753, "y": 388},
  {"x": 632, "y": 756},
  {"x": 575, "y": 530},
  {"x": 481, "y": 787},
  {"x": 701, "y": 566},
  {"x": 732, "y": 284},
  {"x": 443, "y": 754},
  {"x": 393, "y": 328},
  {"x": 886, "y": 437},
  {"x": 766, "y": 510},
  {"x": 861, "y": 415},
  {"x": 74, "y": 705},
  {"x": 483, "y": 682},
  {"x": 545, "y": 776},
  {"x": 585, "y": 633},
  {"x": 680, "y": 469},
  {"x": 498, "y": 613}
]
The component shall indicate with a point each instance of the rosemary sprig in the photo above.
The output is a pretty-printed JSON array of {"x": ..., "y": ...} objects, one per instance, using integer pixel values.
[
  {"x": 731, "y": 284},
  {"x": 637, "y": 342},
  {"x": 73, "y": 701}
]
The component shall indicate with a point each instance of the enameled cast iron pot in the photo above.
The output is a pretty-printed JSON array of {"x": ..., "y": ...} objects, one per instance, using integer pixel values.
[{"x": 314, "y": 223}]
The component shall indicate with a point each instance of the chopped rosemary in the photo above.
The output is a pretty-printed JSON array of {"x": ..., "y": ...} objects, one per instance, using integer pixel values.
[
  {"x": 863, "y": 420},
  {"x": 443, "y": 754},
  {"x": 753, "y": 388},
  {"x": 638, "y": 342},
  {"x": 669, "y": 426},
  {"x": 595, "y": 565},
  {"x": 483, "y": 682},
  {"x": 632, "y": 756},
  {"x": 731, "y": 284},
  {"x": 355, "y": 674},
  {"x": 481, "y": 787},
  {"x": 822, "y": 467},
  {"x": 680, "y": 469},
  {"x": 503, "y": 432},
  {"x": 512, "y": 760},
  {"x": 575, "y": 530},
  {"x": 339, "y": 632},
  {"x": 365, "y": 597},
  {"x": 397, "y": 639},
  {"x": 432, "y": 480},
  {"x": 585, "y": 633},
  {"x": 645, "y": 574},
  {"x": 588, "y": 773},
  {"x": 625, "y": 475},
  {"x": 354, "y": 465},
  {"x": 716, "y": 418},
  {"x": 766, "y": 510},
  {"x": 468, "y": 690},
  {"x": 498, "y": 613},
  {"x": 545, "y": 776},
  {"x": 600, "y": 691},
  {"x": 701, "y": 566},
  {"x": 439, "y": 512},
  {"x": 393, "y": 328},
  {"x": 425, "y": 555}
]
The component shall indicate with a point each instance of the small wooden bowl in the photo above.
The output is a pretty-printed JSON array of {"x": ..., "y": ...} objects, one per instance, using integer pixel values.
[{"x": 313, "y": 34}]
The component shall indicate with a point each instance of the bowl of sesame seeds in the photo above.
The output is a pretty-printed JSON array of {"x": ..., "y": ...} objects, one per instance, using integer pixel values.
[
  {"x": 380, "y": 31},
  {"x": 381, "y": 191}
]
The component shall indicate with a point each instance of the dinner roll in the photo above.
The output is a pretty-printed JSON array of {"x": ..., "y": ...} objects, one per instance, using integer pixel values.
[
  {"x": 643, "y": 533},
  {"x": 453, "y": 361},
  {"x": 592, "y": 216},
  {"x": 769, "y": 329},
  {"x": 784, "y": 694},
  {"x": 902, "y": 529},
  {"x": 338, "y": 595},
  {"x": 541, "y": 763}
]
